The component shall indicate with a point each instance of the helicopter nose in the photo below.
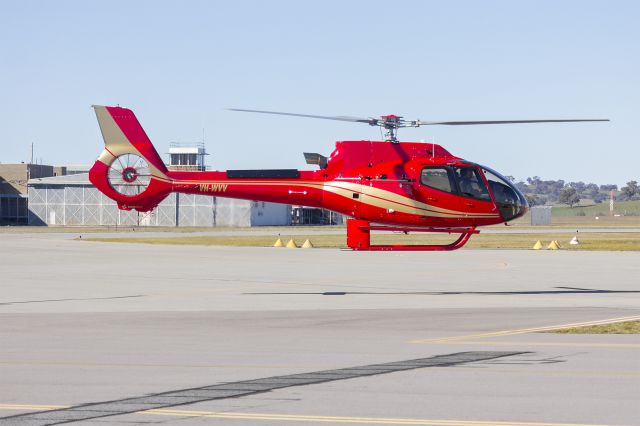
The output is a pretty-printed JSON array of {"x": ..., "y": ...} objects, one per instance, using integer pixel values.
[
  {"x": 511, "y": 203},
  {"x": 519, "y": 203}
]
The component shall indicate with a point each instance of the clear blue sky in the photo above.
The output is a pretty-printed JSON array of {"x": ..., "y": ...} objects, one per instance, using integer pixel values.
[{"x": 179, "y": 64}]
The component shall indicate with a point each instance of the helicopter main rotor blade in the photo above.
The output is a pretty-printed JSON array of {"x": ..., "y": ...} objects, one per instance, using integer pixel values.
[
  {"x": 466, "y": 123},
  {"x": 371, "y": 121}
]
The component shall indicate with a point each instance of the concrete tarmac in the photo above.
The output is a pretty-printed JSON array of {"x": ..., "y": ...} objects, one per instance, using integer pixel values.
[{"x": 85, "y": 322}]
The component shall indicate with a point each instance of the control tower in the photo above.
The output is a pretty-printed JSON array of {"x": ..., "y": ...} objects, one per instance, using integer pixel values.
[{"x": 187, "y": 157}]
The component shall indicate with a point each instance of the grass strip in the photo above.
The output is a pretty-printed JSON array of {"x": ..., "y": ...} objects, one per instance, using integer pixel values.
[
  {"x": 627, "y": 327},
  {"x": 588, "y": 242}
]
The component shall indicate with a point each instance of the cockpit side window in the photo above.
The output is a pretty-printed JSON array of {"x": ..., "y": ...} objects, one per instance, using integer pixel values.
[
  {"x": 438, "y": 178},
  {"x": 471, "y": 183}
]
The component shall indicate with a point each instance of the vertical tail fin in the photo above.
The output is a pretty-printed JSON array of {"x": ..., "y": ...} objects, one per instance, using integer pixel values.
[
  {"x": 129, "y": 170},
  {"x": 123, "y": 134}
]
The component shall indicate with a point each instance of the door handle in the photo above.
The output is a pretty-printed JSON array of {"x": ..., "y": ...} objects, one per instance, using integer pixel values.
[
  {"x": 470, "y": 204},
  {"x": 431, "y": 199}
]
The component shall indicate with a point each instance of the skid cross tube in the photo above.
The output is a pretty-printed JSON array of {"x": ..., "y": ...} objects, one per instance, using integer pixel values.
[{"x": 359, "y": 237}]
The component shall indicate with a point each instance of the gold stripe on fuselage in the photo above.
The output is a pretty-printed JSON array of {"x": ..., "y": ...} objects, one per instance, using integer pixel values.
[
  {"x": 387, "y": 199},
  {"x": 372, "y": 196}
]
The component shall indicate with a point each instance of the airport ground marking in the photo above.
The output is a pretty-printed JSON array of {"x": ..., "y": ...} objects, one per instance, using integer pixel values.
[
  {"x": 305, "y": 418},
  {"x": 112, "y": 365},
  {"x": 37, "y": 407},
  {"x": 242, "y": 388},
  {"x": 471, "y": 337},
  {"x": 632, "y": 375},
  {"x": 348, "y": 419}
]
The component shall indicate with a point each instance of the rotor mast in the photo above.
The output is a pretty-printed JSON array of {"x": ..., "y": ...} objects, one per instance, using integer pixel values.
[{"x": 391, "y": 123}]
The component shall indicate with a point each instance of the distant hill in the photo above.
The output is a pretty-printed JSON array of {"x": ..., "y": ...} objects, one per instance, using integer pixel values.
[
  {"x": 623, "y": 208},
  {"x": 550, "y": 192}
]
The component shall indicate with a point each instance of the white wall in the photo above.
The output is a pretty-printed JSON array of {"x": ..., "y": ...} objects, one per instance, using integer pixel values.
[{"x": 265, "y": 214}]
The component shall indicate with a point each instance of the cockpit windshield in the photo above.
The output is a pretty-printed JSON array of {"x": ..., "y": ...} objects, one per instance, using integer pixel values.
[{"x": 509, "y": 200}]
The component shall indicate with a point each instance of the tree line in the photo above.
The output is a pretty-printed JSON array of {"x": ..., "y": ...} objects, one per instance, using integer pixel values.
[{"x": 540, "y": 192}]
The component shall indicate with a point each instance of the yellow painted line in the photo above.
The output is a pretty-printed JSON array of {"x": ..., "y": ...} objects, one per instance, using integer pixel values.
[
  {"x": 631, "y": 375},
  {"x": 526, "y": 330},
  {"x": 307, "y": 418},
  {"x": 21, "y": 407},
  {"x": 106, "y": 365},
  {"x": 342, "y": 419}
]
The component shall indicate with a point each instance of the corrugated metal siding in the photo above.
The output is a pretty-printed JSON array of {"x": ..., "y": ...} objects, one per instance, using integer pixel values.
[{"x": 84, "y": 205}]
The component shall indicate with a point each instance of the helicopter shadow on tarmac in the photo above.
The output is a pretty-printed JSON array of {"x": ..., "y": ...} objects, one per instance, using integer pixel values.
[{"x": 559, "y": 290}]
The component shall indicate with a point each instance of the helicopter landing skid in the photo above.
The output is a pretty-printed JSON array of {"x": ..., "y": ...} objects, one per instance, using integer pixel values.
[{"x": 359, "y": 237}]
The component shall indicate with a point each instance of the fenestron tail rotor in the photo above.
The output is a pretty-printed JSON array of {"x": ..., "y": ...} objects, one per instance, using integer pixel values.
[
  {"x": 129, "y": 174},
  {"x": 391, "y": 123}
]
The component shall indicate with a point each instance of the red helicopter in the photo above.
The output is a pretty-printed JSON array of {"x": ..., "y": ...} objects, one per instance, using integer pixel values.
[{"x": 382, "y": 185}]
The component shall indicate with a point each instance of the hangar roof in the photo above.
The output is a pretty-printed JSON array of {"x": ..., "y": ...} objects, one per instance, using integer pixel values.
[{"x": 77, "y": 179}]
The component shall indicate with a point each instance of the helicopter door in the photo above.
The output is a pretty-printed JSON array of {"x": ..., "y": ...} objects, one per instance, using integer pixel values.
[
  {"x": 475, "y": 196},
  {"x": 438, "y": 188}
]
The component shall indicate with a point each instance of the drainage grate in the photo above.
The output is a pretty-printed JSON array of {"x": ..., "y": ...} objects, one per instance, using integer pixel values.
[{"x": 238, "y": 389}]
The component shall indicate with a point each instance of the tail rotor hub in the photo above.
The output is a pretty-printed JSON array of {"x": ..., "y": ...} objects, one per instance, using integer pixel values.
[{"x": 129, "y": 175}]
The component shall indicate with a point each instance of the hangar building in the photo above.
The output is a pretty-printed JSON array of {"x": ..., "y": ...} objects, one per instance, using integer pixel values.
[{"x": 13, "y": 189}]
